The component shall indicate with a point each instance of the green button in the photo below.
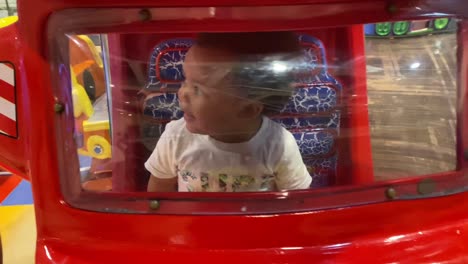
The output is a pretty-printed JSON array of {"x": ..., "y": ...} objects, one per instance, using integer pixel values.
[
  {"x": 441, "y": 23},
  {"x": 383, "y": 29},
  {"x": 401, "y": 28}
]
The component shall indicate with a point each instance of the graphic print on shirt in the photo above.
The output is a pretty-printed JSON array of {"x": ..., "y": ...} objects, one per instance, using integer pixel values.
[
  {"x": 242, "y": 182},
  {"x": 224, "y": 182},
  {"x": 205, "y": 181},
  {"x": 188, "y": 177},
  {"x": 268, "y": 182}
]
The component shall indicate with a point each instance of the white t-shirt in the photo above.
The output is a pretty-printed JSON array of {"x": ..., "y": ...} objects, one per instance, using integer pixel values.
[{"x": 269, "y": 161}]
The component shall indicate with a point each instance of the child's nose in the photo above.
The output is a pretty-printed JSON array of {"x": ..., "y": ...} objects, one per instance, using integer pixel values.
[{"x": 183, "y": 94}]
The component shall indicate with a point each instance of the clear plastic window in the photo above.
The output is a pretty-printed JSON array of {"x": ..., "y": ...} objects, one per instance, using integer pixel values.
[
  {"x": 412, "y": 96},
  {"x": 195, "y": 116}
]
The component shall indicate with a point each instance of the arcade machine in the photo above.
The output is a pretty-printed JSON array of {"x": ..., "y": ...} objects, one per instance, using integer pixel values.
[{"x": 411, "y": 28}]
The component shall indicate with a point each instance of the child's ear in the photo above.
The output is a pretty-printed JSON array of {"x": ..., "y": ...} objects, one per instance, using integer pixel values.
[{"x": 250, "y": 110}]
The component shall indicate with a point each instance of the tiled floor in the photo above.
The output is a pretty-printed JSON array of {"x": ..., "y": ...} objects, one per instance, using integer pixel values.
[
  {"x": 21, "y": 195},
  {"x": 412, "y": 104},
  {"x": 14, "y": 190},
  {"x": 18, "y": 234},
  {"x": 17, "y": 222}
]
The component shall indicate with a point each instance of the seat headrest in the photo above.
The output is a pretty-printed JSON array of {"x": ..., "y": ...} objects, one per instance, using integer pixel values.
[
  {"x": 165, "y": 64},
  {"x": 314, "y": 54}
]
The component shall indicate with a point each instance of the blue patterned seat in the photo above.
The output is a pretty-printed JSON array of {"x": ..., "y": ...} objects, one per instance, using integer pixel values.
[
  {"x": 165, "y": 76},
  {"x": 312, "y": 114}
]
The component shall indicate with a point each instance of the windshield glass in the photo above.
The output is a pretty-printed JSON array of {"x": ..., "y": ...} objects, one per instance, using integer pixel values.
[{"x": 168, "y": 116}]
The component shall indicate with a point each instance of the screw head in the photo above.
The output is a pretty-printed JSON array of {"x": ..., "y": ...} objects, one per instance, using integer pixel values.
[
  {"x": 154, "y": 205},
  {"x": 391, "y": 193},
  {"x": 144, "y": 15},
  {"x": 392, "y": 8},
  {"x": 59, "y": 107}
]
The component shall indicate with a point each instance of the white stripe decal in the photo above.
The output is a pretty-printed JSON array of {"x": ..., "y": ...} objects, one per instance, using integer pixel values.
[
  {"x": 7, "y": 109},
  {"x": 7, "y": 74}
]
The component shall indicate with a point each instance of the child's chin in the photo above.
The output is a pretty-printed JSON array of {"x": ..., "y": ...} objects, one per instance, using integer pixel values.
[{"x": 192, "y": 128}]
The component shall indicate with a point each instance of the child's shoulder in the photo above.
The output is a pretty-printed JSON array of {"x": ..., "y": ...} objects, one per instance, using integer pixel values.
[
  {"x": 176, "y": 133},
  {"x": 277, "y": 132},
  {"x": 279, "y": 141}
]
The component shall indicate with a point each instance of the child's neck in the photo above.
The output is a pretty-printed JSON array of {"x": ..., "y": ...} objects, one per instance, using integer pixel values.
[{"x": 248, "y": 131}]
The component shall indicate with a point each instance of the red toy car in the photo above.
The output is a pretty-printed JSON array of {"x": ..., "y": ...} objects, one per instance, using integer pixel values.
[{"x": 404, "y": 204}]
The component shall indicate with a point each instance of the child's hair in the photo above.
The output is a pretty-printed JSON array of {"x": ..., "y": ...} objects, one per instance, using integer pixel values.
[{"x": 265, "y": 64}]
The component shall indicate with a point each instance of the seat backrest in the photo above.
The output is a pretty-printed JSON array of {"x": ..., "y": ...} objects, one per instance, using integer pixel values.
[
  {"x": 165, "y": 75},
  {"x": 312, "y": 114}
]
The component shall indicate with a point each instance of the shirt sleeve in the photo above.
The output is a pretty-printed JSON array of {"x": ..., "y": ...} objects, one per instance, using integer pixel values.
[
  {"x": 161, "y": 164},
  {"x": 291, "y": 171}
]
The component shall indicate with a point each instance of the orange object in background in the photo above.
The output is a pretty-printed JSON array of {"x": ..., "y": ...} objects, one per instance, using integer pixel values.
[
  {"x": 90, "y": 107},
  {"x": 82, "y": 49}
]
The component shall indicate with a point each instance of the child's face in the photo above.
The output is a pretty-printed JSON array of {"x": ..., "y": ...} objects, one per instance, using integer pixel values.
[{"x": 210, "y": 106}]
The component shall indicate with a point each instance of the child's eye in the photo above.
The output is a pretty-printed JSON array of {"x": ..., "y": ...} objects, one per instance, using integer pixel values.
[{"x": 196, "y": 90}]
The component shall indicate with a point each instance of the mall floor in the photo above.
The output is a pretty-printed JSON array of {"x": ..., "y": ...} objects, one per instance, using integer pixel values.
[
  {"x": 412, "y": 110},
  {"x": 17, "y": 224},
  {"x": 412, "y": 104}
]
